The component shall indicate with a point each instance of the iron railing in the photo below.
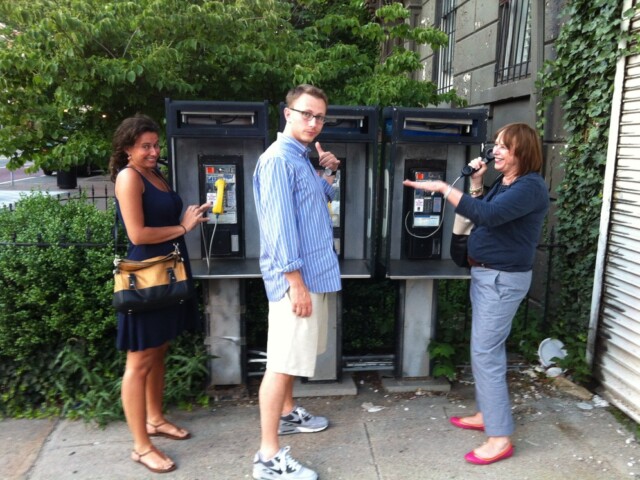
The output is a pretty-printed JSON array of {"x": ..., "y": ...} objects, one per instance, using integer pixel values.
[
  {"x": 444, "y": 56},
  {"x": 514, "y": 41},
  {"x": 99, "y": 200}
]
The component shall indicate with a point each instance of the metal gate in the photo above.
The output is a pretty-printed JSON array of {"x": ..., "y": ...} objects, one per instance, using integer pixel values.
[{"x": 614, "y": 334}]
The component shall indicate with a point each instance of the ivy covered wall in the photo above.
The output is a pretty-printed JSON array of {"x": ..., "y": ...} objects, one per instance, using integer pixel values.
[
  {"x": 581, "y": 80},
  {"x": 574, "y": 48}
]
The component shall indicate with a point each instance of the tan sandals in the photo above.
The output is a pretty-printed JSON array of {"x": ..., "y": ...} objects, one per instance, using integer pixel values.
[
  {"x": 156, "y": 432},
  {"x": 138, "y": 458}
]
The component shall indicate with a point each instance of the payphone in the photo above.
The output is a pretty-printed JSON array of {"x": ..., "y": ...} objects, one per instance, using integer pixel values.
[
  {"x": 221, "y": 185},
  {"x": 433, "y": 144},
  {"x": 421, "y": 144},
  {"x": 213, "y": 149},
  {"x": 423, "y": 210}
]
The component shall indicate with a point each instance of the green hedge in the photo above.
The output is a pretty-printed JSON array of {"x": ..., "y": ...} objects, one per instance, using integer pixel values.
[{"x": 57, "y": 327}]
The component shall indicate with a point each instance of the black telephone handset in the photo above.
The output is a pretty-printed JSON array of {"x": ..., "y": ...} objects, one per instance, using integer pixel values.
[{"x": 487, "y": 157}]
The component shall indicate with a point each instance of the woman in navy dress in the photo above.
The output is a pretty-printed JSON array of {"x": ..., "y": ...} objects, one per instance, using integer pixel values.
[{"x": 150, "y": 211}]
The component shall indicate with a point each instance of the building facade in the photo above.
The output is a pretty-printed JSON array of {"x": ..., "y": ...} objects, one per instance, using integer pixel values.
[{"x": 496, "y": 48}]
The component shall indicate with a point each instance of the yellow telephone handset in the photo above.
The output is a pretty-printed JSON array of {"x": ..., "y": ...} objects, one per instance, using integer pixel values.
[{"x": 218, "y": 207}]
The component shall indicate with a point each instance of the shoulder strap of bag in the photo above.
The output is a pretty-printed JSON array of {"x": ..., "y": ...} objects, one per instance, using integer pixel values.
[
  {"x": 176, "y": 248},
  {"x": 115, "y": 231}
]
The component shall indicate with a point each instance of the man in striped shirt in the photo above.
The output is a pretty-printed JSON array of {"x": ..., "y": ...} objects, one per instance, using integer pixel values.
[{"x": 299, "y": 267}]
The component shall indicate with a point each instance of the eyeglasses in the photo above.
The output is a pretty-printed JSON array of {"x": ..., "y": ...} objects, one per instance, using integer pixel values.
[{"x": 308, "y": 116}]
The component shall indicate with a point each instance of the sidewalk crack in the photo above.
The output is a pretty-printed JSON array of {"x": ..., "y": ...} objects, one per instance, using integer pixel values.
[{"x": 373, "y": 455}]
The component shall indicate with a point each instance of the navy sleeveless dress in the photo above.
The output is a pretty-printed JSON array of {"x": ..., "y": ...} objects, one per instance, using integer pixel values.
[{"x": 139, "y": 331}]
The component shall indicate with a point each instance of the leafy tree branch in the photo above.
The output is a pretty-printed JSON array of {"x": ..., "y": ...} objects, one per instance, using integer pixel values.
[{"x": 71, "y": 70}]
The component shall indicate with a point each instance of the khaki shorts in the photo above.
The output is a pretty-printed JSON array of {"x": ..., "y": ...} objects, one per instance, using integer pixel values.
[{"x": 293, "y": 342}]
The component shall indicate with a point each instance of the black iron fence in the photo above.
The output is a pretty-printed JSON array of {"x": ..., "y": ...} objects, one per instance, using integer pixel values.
[{"x": 100, "y": 199}]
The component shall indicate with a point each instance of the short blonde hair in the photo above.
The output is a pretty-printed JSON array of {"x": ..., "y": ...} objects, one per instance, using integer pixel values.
[{"x": 296, "y": 92}]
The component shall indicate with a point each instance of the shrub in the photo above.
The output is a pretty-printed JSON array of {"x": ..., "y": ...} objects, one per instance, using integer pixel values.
[{"x": 57, "y": 326}]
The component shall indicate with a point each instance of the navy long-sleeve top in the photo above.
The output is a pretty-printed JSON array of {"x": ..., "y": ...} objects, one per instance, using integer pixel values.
[{"x": 508, "y": 223}]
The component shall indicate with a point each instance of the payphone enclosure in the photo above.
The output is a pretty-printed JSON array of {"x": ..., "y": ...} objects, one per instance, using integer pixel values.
[
  {"x": 220, "y": 184},
  {"x": 423, "y": 217}
]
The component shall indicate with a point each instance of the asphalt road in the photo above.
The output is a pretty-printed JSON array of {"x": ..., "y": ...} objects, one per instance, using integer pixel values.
[
  {"x": 11, "y": 178},
  {"x": 15, "y": 183}
]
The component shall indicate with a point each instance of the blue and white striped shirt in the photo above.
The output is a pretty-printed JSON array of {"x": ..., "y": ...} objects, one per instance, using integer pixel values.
[{"x": 296, "y": 232}]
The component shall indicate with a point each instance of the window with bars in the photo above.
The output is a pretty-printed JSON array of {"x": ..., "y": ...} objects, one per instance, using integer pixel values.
[
  {"x": 444, "y": 61},
  {"x": 514, "y": 41}
]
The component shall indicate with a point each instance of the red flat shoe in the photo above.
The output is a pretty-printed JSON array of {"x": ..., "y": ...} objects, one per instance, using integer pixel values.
[
  {"x": 458, "y": 422},
  {"x": 473, "y": 458}
]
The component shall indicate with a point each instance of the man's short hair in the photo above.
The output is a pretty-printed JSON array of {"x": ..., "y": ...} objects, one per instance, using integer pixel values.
[{"x": 296, "y": 92}]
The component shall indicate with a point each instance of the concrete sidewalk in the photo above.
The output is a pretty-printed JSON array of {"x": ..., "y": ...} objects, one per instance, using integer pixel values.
[{"x": 557, "y": 437}]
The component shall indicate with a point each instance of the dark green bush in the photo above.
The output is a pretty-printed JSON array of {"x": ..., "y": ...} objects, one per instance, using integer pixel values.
[
  {"x": 50, "y": 292},
  {"x": 57, "y": 326},
  {"x": 451, "y": 346},
  {"x": 368, "y": 319}
]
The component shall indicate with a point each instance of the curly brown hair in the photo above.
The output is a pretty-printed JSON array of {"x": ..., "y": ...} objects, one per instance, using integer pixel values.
[{"x": 125, "y": 136}]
